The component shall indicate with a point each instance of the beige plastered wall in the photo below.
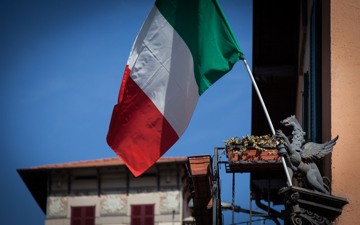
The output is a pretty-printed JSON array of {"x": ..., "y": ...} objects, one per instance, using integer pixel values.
[{"x": 345, "y": 105}]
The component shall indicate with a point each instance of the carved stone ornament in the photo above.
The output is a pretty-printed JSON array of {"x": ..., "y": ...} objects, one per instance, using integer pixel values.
[
  {"x": 307, "y": 207},
  {"x": 169, "y": 202},
  {"x": 57, "y": 207},
  {"x": 300, "y": 156},
  {"x": 308, "y": 201},
  {"x": 113, "y": 204}
]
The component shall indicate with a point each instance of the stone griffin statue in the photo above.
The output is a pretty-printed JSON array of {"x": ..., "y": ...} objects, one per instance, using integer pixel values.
[{"x": 300, "y": 157}]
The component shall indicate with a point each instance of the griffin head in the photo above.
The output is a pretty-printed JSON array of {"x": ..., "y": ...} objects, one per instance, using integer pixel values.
[{"x": 290, "y": 121}]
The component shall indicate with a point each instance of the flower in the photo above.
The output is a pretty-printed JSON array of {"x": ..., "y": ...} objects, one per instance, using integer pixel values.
[{"x": 239, "y": 145}]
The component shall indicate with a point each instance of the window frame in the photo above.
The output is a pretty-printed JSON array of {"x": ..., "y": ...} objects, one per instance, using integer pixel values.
[
  {"x": 86, "y": 215},
  {"x": 143, "y": 214}
]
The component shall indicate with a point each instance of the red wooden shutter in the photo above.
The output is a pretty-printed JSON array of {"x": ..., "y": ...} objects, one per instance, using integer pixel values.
[
  {"x": 83, "y": 215},
  {"x": 142, "y": 214}
]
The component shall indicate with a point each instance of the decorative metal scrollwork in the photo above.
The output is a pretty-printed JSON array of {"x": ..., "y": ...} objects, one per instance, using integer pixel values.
[{"x": 307, "y": 217}]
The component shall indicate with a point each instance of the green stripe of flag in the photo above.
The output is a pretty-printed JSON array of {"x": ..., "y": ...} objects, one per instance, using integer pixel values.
[{"x": 207, "y": 34}]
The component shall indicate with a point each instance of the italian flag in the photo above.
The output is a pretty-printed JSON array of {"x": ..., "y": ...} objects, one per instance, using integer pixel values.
[{"x": 183, "y": 47}]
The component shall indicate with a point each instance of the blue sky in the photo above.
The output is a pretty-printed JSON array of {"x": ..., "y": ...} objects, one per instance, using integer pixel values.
[{"x": 61, "y": 64}]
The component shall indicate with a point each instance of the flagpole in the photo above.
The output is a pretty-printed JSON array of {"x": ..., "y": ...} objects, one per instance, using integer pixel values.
[{"x": 267, "y": 117}]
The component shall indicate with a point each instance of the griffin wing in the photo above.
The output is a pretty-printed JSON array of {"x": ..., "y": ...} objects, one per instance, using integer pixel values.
[{"x": 313, "y": 150}]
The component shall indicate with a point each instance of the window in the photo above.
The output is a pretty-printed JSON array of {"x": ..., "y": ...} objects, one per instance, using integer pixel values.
[
  {"x": 142, "y": 214},
  {"x": 312, "y": 114},
  {"x": 83, "y": 215}
]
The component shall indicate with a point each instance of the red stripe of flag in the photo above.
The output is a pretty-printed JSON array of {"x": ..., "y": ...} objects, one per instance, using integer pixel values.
[{"x": 138, "y": 132}]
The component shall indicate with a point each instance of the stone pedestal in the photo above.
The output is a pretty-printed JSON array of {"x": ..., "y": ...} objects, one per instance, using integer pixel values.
[{"x": 307, "y": 207}]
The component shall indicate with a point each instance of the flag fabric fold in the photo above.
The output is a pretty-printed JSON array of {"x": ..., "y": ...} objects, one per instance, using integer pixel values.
[{"x": 183, "y": 47}]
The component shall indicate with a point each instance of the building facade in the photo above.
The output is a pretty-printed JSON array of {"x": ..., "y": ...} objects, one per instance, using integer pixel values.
[
  {"x": 306, "y": 61},
  {"x": 104, "y": 192}
]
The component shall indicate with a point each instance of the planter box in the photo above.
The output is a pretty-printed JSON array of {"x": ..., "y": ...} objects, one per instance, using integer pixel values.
[
  {"x": 252, "y": 159},
  {"x": 253, "y": 154}
]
